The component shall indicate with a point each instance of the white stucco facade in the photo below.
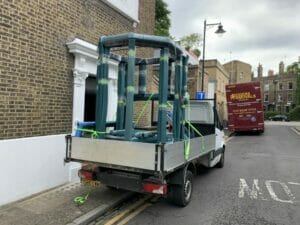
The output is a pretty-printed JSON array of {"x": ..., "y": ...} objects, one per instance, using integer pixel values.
[
  {"x": 34, "y": 164},
  {"x": 86, "y": 57},
  {"x": 31, "y": 165}
]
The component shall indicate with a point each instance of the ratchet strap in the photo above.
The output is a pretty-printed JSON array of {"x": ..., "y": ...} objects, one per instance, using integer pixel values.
[
  {"x": 143, "y": 109},
  {"x": 188, "y": 143},
  {"x": 93, "y": 132},
  {"x": 80, "y": 200}
]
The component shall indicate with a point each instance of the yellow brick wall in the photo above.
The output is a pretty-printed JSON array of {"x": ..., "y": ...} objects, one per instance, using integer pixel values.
[{"x": 36, "y": 80}]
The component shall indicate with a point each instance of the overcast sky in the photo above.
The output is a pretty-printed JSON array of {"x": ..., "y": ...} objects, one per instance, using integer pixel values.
[{"x": 257, "y": 31}]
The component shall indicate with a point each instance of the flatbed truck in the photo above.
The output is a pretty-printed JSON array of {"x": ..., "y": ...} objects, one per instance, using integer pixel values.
[{"x": 161, "y": 158}]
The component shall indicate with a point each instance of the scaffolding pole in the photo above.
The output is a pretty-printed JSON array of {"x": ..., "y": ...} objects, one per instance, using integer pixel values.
[
  {"x": 121, "y": 97},
  {"x": 163, "y": 95},
  {"x": 177, "y": 103},
  {"x": 102, "y": 85},
  {"x": 130, "y": 90}
]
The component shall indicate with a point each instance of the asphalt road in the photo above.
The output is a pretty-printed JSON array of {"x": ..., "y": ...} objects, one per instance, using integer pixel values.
[{"x": 259, "y": 185}]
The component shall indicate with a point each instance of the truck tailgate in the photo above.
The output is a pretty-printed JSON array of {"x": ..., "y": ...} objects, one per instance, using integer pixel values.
[{"x": 112, "y": 152}]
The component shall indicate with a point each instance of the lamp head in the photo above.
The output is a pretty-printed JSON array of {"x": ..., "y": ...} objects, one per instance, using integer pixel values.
[{"x": 220, "y": 30}]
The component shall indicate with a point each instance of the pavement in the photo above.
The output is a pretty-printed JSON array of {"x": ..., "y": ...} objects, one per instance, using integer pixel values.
[
  {"x": 56, "y": 206},
  {"x": 282, "y": 123}
]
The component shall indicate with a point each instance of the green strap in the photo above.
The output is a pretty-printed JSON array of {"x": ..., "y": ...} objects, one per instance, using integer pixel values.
[
  {"x": 80, "y": 200},
  {"x": 130, "y": 88},
  {"x": 94, "y": 132},
  {"x": 121, "y": 103},
  {"x": 164, "y": 58},
  {"x": 103, "y": 81},
  {"x": 169, "y": 104},
  {"x": 198, "y": 132},
  {"x": 188, "y": 144},
  {"x": 131, "y": 52},
  {"x": 194, "y": 128},
  {"x": 143, "y": 109},
  {"x": 163, "y": 106}
]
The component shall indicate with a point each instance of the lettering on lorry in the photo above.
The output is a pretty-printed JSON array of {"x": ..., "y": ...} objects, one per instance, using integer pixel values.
[
  {"x": 242, "y": 96},
  {"x": 240, "y": 111}
]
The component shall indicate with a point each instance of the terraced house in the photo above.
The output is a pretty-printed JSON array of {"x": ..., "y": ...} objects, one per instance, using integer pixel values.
[
  {"x": 278, "y": 90},
  {"x": 48, "y": 54}
]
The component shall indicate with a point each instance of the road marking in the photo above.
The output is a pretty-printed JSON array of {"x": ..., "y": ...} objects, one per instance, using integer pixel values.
[
  {"x": 134, "y": 214},
  {"x": 295, "y": 130},
  {"x": 294, "y": 183},
  {"x": 285, "y": 188},
  {"x": 131, "y": 211},
  {"x": 256, "y": 193},
  {"x": 252, "y": 193}
]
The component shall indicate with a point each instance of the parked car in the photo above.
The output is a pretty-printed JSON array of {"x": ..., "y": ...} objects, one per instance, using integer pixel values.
[{"x": 279, "y": 118}]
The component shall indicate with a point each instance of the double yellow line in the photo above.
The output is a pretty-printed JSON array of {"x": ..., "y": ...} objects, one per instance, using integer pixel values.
[{"x": 131, "y": 211}]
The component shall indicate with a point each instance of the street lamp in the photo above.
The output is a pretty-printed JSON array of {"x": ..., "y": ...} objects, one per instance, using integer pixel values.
[{"x": 219, "y": 31}]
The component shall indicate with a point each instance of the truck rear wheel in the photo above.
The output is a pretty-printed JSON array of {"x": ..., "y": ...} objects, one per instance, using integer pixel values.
[
  {"x": 221, "y": 163},
  {"x": 181, "y": 194}
]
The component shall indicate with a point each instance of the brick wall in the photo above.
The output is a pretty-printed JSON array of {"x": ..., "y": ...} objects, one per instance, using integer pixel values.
[
  {"x": 194, "y": 80},
  {"x": 272, "y": 101},
  {"x": 36, "y": 80},
  {"x": 239, "y": 72}
]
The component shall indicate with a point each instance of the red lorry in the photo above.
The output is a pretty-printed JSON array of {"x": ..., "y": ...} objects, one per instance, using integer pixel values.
[{"x": 245, "y": 109}]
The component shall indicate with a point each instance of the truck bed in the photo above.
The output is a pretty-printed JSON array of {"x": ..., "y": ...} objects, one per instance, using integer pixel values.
[{"x": 135, "y": 156}]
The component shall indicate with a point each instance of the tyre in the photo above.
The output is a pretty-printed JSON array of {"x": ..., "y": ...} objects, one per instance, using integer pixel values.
[
  {"x": 181, "y": 195},
  {"x": 111, "y": 187},
  {"x": 221, "y": 163}
]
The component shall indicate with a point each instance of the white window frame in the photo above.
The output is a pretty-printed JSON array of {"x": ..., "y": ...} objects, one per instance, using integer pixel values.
[
  {"x": 290, "y": 94},
  {"x": 265, "y": 98},
  {"x": 266, "y": 87}
]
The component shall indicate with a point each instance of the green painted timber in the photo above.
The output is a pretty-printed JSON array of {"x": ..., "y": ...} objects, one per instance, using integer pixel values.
[
  {"x": 177, "y": 99},
  {"x": 142, "y": 40},
  {"x": 130, "y": 90},
  {"x": 163, "y": 95},
  {"x": 102, "y": 85},
  {"x": 142, "y": 78},
  {"x": 183, "y": 94},
  {"x": 121, "y": 97}
]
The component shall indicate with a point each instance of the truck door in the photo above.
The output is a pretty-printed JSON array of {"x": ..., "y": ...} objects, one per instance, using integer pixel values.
[{"x": 219, "y": 132}]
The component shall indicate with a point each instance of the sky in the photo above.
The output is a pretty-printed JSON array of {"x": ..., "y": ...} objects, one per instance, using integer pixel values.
[{"x": 257, "y": 31}]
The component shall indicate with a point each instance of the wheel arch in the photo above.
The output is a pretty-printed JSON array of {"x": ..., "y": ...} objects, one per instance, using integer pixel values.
[{"x": 176, "y": 176}]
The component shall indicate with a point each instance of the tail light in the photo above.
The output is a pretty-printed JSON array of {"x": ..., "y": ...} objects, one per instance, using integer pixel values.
[
  {"x": 85, "y": 174},
  {"x": 155, "y": 188}
]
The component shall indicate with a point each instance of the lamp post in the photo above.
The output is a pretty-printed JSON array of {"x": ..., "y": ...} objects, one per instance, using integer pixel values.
[{"x": 220, "y": 30}]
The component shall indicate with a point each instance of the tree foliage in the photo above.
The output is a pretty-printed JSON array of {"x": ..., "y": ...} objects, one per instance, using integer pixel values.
[
  {"x": 295, "y": 68},
  {"x": 162, "y": 20},
  {"x": 191, "y": 41},
  {"x": 295, "y": 114},
  {"x": 298, "y": 87}
]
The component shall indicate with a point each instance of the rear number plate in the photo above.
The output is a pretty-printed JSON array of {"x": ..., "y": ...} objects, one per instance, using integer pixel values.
[{"x": 91, "y": 183}]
